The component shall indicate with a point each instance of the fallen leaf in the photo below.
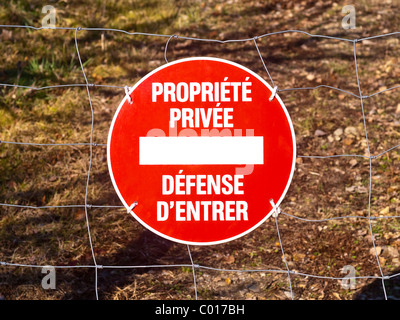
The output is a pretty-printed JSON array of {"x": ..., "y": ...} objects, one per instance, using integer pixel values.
[
  {"x": 391, "y": 252},
  {"x": 353, "y": 163},
  {"x": 377, "y": 252},
  {"x": 385, "y": 210},
  {"x": 80, "y": 214},
  {"x": 351, "y": 132},
  {"x": 319, "y": 133},
  {"x": 336, "y": 295},
  {"x": 348, "y": 141},
  {"x": 230, "y": 259},
  {"x": 310, "y": 77},
  {"x": 298, "y": 256}
]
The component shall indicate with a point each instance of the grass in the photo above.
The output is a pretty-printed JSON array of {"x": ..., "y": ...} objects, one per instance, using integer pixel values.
[{"x": 54, "y": 176}]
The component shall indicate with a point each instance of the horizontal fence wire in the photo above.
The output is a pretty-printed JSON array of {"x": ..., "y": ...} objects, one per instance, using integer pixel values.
[{"x": 88, "y": 86}]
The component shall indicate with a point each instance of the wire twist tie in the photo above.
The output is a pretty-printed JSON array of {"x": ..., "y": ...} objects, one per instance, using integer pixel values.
[
  {"x": 127, "y": 95},
  {"x": 99, "y": 266},
  {"x": 273, "y": 94},
  {"x": 133, "y": 206},
  {"x": 276, "y": 209}
]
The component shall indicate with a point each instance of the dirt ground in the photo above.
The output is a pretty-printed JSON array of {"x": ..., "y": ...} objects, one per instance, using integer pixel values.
[{"x": 326, "y": 122}]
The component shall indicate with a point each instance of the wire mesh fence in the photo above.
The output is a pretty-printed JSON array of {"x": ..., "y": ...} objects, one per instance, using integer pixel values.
[{"x": 195, "y": 268}]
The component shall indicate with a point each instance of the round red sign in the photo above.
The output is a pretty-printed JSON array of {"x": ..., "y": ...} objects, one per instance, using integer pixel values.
[{"x": 200, "y": 148}]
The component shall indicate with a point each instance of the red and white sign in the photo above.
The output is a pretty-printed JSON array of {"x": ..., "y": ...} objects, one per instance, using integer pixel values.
[{"x": 202, "y": 150}]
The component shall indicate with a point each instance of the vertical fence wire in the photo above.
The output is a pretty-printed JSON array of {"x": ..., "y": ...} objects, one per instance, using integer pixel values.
[
  {"x": 370, "y": 168},
  {"x": 90, "y": 161}
]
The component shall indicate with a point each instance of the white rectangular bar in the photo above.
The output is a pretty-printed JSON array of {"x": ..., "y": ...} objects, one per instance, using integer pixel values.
[{"x": 201, "y": 150}]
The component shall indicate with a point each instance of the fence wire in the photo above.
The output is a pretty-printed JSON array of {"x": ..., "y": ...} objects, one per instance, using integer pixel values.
[{"x": 192, "y": 265}]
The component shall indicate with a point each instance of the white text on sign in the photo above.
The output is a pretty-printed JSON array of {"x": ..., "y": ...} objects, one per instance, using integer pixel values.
[
  {"x": 207, "y": 91},
  {"x": 196, "y": 118},
  {"x": 203, "y": 210},
  {"x": 193, "y": 118}
]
